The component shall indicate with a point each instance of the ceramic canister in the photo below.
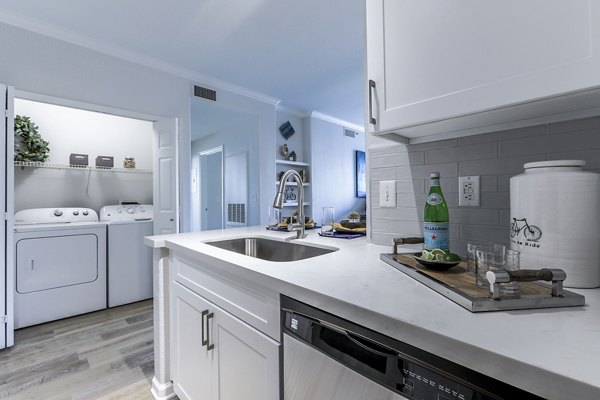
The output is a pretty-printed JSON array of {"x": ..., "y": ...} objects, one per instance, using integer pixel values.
[{"x": 555, "y": 219}]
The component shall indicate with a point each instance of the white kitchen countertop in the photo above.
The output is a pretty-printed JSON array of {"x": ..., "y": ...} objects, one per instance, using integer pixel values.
[{"x": 551, "y": 352}]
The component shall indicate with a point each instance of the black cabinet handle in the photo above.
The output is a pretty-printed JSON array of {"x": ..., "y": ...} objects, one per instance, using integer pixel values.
[
  {"x": 209, "y": 346},
  {"x": 204, "y": 341},
  {"x": 371, "y": 87}
]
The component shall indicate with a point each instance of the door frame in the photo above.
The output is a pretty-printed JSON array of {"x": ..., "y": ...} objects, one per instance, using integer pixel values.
[
  {"x": 208, "y": 152},
  {"x": 27, "y": 95},
  {"x": 7, "y": 279}
]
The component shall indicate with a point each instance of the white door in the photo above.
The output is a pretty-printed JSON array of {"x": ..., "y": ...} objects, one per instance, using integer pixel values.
[
  {"x": 6, "y": 206},
  {"x": 166, "y": 187}
]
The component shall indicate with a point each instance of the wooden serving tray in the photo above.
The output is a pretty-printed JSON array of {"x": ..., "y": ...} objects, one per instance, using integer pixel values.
[{"x": 458, "y": 286}]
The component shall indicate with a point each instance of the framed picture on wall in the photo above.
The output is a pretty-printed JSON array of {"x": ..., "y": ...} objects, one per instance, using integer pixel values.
[{"x": 360, "y": 174}]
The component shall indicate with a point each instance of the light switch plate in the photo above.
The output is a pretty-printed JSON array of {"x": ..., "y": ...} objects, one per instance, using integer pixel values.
[
  {"x": 387, "y": 194},
  {"x": 468, "y": 191}
]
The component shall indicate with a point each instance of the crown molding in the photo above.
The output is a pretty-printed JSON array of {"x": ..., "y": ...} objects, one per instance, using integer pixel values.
[
  {"x": 293, "y": 111},
  {"x": 338, "y": 121},
  {"x": 64, "y": 35}
]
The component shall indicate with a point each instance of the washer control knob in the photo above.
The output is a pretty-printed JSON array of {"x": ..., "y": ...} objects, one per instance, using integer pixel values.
[
  {"x": 76, "y": 212},
  {"x": 131, "y": 210},
  {"x": 85, "y": 212},
  {"x": 58, "y": 213}
]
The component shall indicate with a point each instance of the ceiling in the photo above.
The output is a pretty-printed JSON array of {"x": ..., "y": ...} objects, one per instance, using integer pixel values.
[{"x": 308, "y": 53}]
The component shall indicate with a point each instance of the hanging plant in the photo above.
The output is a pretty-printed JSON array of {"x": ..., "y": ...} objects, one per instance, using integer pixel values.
[{"x": 29, "y": 144}]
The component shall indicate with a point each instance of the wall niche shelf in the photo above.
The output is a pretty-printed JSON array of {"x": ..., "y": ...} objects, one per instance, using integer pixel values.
[
  {"x": 292, "y": 163},
  {"x": 290, "y": 204},
  {"x": 30, "y": 164},
  {"x": 293, "y": 183}
]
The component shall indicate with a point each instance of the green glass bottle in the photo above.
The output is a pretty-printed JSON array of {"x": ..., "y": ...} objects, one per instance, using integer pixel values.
[{"x": 436, "y": 217}]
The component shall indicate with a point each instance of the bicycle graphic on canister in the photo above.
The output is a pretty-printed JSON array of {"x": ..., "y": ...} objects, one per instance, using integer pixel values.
[{"x": 531, "y": 232}]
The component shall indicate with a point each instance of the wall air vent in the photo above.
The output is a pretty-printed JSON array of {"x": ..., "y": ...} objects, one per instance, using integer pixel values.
[
  {"x": 205, "y": 93},
  {"x": 350, "y": 133},
  {"x": 236, "y": 213}
]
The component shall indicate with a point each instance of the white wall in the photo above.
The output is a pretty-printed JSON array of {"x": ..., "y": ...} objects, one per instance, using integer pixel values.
[
  {"x": 71, "y": 130},
  {"x": 332, "y": 168}
]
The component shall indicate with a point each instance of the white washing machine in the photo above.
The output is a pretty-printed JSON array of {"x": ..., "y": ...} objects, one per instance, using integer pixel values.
[
  {"x": 60, "y": 264},
  {"x": 129, "y": 259}
]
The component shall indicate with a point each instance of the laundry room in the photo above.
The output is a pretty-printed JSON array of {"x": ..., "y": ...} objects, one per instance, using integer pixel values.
[{"x": 83, "y": 188}]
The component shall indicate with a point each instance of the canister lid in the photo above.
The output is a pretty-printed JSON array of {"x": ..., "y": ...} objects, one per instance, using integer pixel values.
[{"x": 555, "y": 163}]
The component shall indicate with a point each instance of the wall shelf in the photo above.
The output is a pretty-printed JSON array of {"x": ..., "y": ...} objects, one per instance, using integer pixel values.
[
  {"x": 30, "y": 164},
  {"x": 290, "y": 204},
  {"x": 293, "y": 163},
  {"x": 293, "y": 183}
]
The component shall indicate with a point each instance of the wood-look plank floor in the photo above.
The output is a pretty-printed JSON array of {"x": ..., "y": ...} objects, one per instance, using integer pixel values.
[{"x": 102, "y": 355}]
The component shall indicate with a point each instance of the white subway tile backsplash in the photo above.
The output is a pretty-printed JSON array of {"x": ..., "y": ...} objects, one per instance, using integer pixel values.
[
  {"x": 497, "y": 166},
  {"x": 510, "y": 134},
  {"x": 495, "y": 157},
  {"x": 570, "y": 141},
  {"x": 422, "y": 171},
  {"x": 498, "y": 234},
  {"x": 462, "y": 153},
  {"x": 504, "y": 217},
  {"x": 440, "y": 144},
  {"x": 397, "y": 159},
  {"x": 575, "y": 125},
  {"x": 382, "y": 174},
  {"x": 489, "y": 183},
  {"x": 476, "y": 216}
]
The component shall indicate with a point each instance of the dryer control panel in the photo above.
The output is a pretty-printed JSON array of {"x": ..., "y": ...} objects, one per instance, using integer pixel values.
[
  {"x": 127, "y": 212},
  {"x": 59, "y": 215}
]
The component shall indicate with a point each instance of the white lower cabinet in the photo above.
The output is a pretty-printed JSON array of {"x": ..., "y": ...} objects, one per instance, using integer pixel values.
[{"x": 218, "y": 356}]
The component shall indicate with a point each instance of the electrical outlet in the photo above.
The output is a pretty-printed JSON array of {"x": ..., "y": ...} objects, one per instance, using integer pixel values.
[
  {"x": 387, "y": 194},
  {"x": 468, "y": 191}
]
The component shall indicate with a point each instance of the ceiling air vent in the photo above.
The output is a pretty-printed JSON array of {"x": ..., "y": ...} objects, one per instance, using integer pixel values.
[
  {"x": 350, "y": 133},
  {"x": 205, "y": 93}
]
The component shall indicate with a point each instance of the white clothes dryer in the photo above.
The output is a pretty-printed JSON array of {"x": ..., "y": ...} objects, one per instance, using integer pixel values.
[
  {"x": 60, "y": 264},
  {"x": 129, "y": 259}
]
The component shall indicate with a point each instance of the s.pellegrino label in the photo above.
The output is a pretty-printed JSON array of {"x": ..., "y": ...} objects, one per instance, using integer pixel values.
[
  {"x": 435, "y": 226},
  {"x": 436, "y": 235}
]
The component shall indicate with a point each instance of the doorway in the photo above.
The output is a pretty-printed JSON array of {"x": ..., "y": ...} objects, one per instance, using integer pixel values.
[{"x": 211, "y": 188}]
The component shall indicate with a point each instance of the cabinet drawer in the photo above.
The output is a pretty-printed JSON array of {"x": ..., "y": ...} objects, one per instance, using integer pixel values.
[{"x": 254, "y": 304}]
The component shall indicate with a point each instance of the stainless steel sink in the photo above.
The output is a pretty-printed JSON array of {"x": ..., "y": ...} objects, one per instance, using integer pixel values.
[{"x": 271, "y": 250}]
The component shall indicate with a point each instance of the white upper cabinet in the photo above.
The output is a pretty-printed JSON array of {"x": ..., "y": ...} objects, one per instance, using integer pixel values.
[{"x": 473, "y": 66}]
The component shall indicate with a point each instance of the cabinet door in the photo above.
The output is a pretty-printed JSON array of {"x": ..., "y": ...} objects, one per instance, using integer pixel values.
[
  {"x": 435, "y": 60},
  {"x": 247, "y": 361},
  {"x": 192, "y": 361},
  {"x": 236, "y": 361}
]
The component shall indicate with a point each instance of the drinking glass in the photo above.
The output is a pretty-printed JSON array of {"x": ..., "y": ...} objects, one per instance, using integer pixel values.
[
  {"x": 472, "y": 248},
  {"x": 274, "y": 218},
  {"x": 327, "y": 220},
  {"x": 489, "y": 260}
]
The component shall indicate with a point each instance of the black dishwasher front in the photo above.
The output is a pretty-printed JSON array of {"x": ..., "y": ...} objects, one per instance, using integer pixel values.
[{"x": 406, "y": 371}]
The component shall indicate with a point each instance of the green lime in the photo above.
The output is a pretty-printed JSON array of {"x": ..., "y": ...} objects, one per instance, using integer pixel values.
[
  {"x": 427, "y": 256},
  {"x": 451, "y": 257},
  {"x": 435, "y": 252},
  {"x": 440, "y": 257}
]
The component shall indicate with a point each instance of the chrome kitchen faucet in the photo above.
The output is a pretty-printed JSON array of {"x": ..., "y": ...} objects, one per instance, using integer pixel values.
[{"x": 278, "y": 202}]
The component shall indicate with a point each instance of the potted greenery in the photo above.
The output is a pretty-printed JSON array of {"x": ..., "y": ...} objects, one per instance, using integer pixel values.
[
  {"x": 354, "y": 217},
  {"x": 29, "y": 144}
]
